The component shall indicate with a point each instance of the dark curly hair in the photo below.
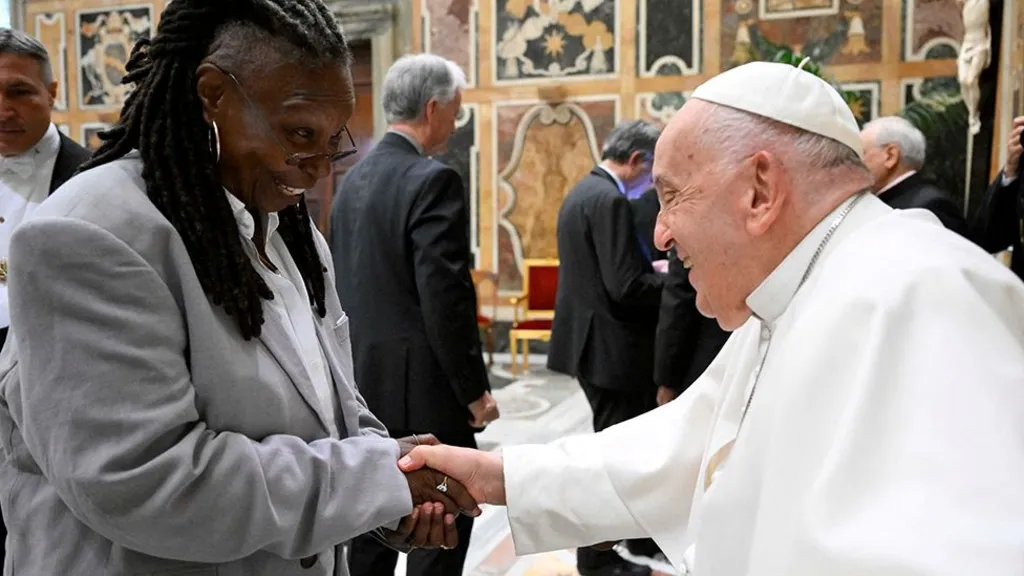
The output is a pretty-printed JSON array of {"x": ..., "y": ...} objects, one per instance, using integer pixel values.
[{"x": 163, "y": 120}]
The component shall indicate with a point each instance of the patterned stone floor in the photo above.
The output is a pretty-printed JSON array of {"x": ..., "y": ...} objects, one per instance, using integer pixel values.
[{"x": 537, "y": 407}]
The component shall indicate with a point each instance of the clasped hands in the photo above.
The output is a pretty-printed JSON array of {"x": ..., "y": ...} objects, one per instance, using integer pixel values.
[{"x": 437, "y": 500}]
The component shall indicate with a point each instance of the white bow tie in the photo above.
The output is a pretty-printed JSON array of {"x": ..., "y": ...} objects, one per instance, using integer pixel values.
[{"x": 23, "y": 166}]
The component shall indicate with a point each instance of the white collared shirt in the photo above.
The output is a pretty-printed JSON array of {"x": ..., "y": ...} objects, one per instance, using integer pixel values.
[
  {"x": 618, "y": 183},
  {"x": 291, "y": 306},
  {"x": 21, "y": 192},
  {"x": 896, "y": 181}
]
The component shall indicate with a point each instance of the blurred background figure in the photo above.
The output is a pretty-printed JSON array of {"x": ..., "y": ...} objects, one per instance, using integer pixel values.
[
  {"x": 999, "y": 222},
  {"x": 401, "y": 251},
  {"x": 894, "y": 151}
]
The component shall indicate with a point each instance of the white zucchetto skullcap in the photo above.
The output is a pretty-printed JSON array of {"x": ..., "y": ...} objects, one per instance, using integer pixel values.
[{"x": 786, "y": 94}]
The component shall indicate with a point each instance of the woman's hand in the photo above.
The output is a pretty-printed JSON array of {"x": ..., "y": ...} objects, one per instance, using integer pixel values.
[{"x": 428, "y": 526}]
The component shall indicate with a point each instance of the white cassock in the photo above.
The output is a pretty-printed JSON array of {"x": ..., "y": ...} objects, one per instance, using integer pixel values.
[{"x": 885, "y": 437}]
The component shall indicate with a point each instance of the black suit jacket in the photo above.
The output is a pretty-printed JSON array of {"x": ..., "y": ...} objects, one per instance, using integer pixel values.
[
  {"x": 606, "y": 310},
  {"x": 402, "y": 261},
  {"x": 69, "y": 157},
  {"x": 915, "y": 192},
  {"x": 999, "y": 221},
  {"x": 645, "y": 216},
  {"x": 687, "y": 341}
]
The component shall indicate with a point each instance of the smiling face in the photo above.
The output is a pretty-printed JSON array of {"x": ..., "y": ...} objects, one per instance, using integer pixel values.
[
  {"x": 285, "y": 109},
  {"x": 26, "y": 101},
  {"x": 714, "y": 213}
]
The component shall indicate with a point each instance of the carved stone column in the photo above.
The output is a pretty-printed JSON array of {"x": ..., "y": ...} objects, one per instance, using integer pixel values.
[{"x": 383, "y": 23}]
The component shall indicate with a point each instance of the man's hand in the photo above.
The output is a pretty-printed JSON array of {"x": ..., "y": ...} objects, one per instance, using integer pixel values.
[
  {"x": 424, "y": 483},
  {"x": 1014, "y": 149},
  {"x": 666, "y": 395},
  {"x": 484, "y": 411},
  {"x": 409, "y": 442},
  {"x": 482, "y": 473},
  {"x": 427, "y": 527}
]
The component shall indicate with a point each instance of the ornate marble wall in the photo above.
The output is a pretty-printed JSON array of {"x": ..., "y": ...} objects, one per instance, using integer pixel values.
[
  {"x": 550, "y": 78},
  {"x": 89, "y": 42}
]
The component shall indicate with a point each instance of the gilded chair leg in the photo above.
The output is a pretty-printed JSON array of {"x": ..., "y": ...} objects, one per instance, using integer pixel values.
[
  {"x": 526, "y": 356},
  {"x": 512, "y": 351}
]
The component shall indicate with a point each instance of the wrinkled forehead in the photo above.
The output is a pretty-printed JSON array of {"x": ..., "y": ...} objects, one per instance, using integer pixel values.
[{"x": 676, "y": 152}]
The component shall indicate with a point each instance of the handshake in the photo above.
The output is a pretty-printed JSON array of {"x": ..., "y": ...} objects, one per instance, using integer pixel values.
[{"x": 444, "y": 481}]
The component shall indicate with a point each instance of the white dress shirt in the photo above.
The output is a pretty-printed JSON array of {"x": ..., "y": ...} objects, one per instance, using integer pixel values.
[
  {"x": 291, "y": 305},
  {"x": 896, "y": 181},
  {"x": 24, "y": 184}
]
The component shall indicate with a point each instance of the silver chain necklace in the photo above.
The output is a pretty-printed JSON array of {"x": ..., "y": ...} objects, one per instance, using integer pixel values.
[{"x": 807, "y": 273}]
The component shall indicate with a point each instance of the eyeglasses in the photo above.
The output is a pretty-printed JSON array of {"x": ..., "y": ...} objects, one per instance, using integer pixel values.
[{"x": 296, "y": 158}]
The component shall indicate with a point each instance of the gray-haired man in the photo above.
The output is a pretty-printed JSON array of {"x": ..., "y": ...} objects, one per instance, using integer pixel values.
[
  {"x": 894, "y": 151},
  {"x": 400, "y": 240}
]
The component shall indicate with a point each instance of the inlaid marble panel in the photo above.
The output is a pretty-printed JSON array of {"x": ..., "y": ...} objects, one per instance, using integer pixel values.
[
  {"x": 866, "y": 100},
  {"x": 450, "y": 30},
  {"x": 787, "y": 9},
  {"x": 932, "y": 29},
  {"x": 917, "y": 88},
  {"x": 463, "y": 155},
  {"x": 542, "y": 150},
  {"x": 850, "y": 35},
  {"x": 89, "y": 134},
  {"x": 51, "y": 30},
  {"x": 554, "y": 39},
  {"x": 104, "y": 38},
  {"x": 669, "y": 46},
  {"x": 659, "y": 107}
]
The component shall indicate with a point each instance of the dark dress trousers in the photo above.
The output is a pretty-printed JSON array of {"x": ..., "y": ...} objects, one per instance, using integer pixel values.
[
  {"x": 69, "y": 157},
  {"x": 645, "y": 216},
  {"x": 999, "y": 221},
  {"x": 687, "y": 341},
  {"x": 916, "y": 192},
  {"x": 402, "y": 262}
]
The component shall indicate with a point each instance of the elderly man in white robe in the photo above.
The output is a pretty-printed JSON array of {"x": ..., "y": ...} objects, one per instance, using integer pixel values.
[{"x": 867, "y": 415}]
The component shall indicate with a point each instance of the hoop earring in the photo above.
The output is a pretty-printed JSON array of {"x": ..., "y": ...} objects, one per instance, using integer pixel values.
[{"x": 215, "y": 141}]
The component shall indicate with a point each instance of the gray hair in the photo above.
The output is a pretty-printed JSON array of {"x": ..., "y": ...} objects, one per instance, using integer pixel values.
[
  {"x": 742, "y": 134},
  {"x": 630, "y": 137},
  {"x": 21, "y": 44},
  {"x": 416, "y": 79},
  {"x": 902, "y": 134}
]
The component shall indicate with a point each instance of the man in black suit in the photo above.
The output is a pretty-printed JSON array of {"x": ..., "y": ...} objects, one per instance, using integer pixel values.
[
  {"x": 606, "y": 309},
  {"x": 645, "y": 215},
  {"x": 35, "y": 158},
  {"x": 999, "y": 222},
  {"x": 399, "y": 236},
  {"x": 687, "y": 341},
  {"x": 894, "y": 150}
]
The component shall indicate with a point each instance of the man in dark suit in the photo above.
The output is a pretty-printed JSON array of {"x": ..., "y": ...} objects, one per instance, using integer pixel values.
[
  {"x": 399, "y": 236},
  {"x": 606, "y": 309},
  {"x": 645, "y": 215},
  {"x": 35, "y": 158},
  {"x": 999, "y": 222},
  {"x": 894, "y": 150}
]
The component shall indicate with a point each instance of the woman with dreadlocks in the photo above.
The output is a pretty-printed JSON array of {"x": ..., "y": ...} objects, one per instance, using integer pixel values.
[{"x": 177, "y": 395}]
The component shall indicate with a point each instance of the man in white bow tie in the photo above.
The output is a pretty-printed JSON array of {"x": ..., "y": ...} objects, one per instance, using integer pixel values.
[
  {"x": 867, "y": 414},
  {"x": 35, "y": 158}
]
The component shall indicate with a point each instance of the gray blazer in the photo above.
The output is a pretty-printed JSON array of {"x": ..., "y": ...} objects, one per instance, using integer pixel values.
[{"x": 141, "y": 434}]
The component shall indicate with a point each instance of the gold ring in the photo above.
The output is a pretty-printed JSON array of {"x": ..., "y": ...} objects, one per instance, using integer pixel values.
[{"x": 416, "y": 439}]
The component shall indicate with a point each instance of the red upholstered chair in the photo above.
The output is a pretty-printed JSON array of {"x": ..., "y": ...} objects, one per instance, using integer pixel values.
[
  {"x": 534, "y": 308},
  {"x": 486, "y": 284}
]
